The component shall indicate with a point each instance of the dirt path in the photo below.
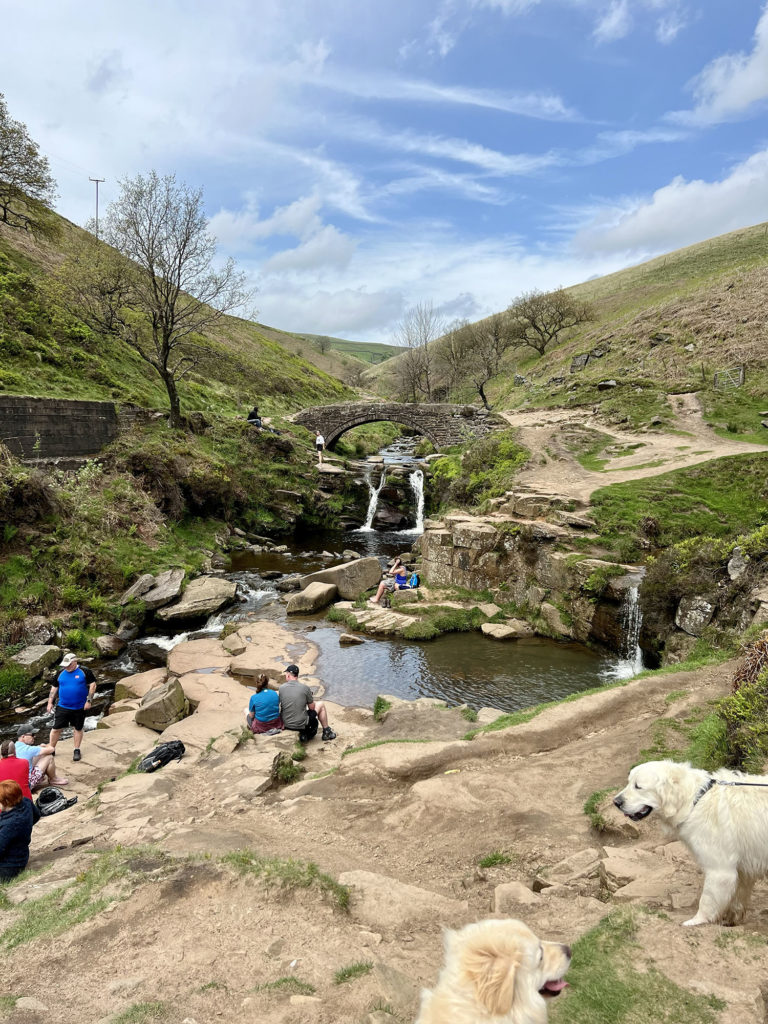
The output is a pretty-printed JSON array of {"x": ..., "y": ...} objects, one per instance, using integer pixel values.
[{"x": 555, "y": 469}]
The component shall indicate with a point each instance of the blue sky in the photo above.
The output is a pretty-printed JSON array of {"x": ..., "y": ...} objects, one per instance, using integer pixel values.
[{"x": 360, "y": 157}]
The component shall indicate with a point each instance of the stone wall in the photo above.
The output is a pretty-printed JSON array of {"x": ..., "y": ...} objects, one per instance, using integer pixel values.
[
  {"x": 443, "y": 424},
  {"x": 49, "y": 428},
  {"x": 519, "y": 562}
]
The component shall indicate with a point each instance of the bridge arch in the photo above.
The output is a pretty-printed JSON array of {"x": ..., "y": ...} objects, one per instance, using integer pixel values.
[{"x": 441, "y": 423}]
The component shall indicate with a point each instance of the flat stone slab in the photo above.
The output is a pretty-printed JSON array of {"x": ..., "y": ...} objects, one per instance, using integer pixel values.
[
  {"x": 196, "y": 656},
  {"x": 167, "y": 586},
  {"x": 384, "y": 903},
  {"x": 203, "y": 596},
  {"x": 34, "y": 660}
]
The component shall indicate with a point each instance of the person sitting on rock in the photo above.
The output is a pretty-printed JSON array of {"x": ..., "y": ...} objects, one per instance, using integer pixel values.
[
  {"x": 16, "y": 820},
  {"x": 299, "y": 709},
  {"x": 14, "y": 769},
  {"x": 253, "y": 417},
  {"x": 263, "y": 713},
  {"x": 42, "y": 763},
  {"x": 389, "y": 584}
]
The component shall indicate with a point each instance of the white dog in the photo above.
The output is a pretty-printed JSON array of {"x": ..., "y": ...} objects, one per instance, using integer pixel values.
[
  {"x": 721, "y": 817},
  {"x": 495, "y": 971}
]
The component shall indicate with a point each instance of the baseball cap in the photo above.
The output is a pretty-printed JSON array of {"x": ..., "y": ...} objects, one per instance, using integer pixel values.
[
  {"x": 24, "y": 730},
  {"x": 293, "y": 670},
  {"x": 67, "y": 660}
]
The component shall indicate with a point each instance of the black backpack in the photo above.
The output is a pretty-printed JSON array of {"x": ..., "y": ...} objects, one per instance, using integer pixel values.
[
  {"x": 173, "y": 750},
  {"x": 51, "y": 800}
]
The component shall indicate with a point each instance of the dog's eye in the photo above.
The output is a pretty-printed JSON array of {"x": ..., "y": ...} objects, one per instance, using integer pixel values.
[
  {"x": 541, "y": 954},
  {"x": 637, "y": 785}
]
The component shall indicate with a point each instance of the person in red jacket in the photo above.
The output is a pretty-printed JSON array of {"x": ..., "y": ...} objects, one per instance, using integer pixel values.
[{"x": 14, "y": 769}]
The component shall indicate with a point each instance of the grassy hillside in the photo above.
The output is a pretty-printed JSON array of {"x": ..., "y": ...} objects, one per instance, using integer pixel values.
[
  {"x": 341, "y": 364},
  {"x": 372, "y": 352},
  {"x": 662, "y": 327},
  {"x": 45, "y": 351}
]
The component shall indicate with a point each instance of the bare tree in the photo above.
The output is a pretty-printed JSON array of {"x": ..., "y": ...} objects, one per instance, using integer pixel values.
[
  {"x": 157, "y": 286},
  {"x": 537, "y": 318},
  {"x": 420, "y": 327},
  {"x": 489, "y": 339},
  {"x": 27, "y": 188},
  {"x": 451, "y": 353}
]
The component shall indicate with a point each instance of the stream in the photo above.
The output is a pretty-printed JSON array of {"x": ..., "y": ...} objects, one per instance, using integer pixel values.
[{"x": 457, "y": 667}]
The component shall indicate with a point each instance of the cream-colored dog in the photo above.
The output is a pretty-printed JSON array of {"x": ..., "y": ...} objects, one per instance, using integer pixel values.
[
  {"x": 722, "y": 818},
  {"x": 495, "y": 971}
]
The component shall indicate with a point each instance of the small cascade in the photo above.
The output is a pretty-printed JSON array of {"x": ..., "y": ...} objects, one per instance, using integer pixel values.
[
  {"x": 416, "y": 480},
  {"x": 631, "y": 620},
  {"x": 374, "y": 492}
]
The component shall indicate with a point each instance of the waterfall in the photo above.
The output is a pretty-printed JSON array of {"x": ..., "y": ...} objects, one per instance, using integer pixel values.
[
  {"x": 416, "y": 480},
  {"x": 631, "y": 620},
  {"x": 374, "y": 492}
]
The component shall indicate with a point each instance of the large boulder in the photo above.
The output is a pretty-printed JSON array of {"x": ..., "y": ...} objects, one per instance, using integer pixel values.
[
  {"x": 109, "y": 645},
  {"x": 167, "y": 586},
  {"x": 314, "y": 597},
  {"x": 203, "y": 597},
  {"x": 36, "y": 659},
  {"x": 162, "y": 706},
  {"x": 694, "y": 614},
  {"x": 137, "y": 590},
  {"x": 38, "y": 630},
  {"x": 352, "y": 579}
]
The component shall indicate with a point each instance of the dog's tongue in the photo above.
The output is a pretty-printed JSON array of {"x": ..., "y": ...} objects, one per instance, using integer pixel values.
[{"x": 555, "y": 986}]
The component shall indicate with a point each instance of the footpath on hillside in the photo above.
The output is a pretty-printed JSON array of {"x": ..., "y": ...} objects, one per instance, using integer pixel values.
[{"x": 546, "y": 433}]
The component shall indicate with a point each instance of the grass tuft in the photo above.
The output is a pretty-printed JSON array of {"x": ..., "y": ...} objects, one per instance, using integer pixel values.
[
  {"x": 288, "y": 874},
  {"x": 352, "y": 971},
  {"x": 495, "y": 859}
]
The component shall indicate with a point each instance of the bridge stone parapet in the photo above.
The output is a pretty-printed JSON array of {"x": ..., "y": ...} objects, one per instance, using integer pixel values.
[{"x": 441, "y": 423}]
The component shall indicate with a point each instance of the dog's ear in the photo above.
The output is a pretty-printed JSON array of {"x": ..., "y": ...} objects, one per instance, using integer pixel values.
[
  {"x": 492, "y": 975},
  {"x": 671, "y": 786}
]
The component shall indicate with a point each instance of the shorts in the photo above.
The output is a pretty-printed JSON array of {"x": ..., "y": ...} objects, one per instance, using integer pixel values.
[
  {"x": 257, "y": 727},
  {"x": 63, "y": 717},
  {"x": 36, "y": 776},
  {"x": 319, "y": 447},
  {"x": 308, "y": 731},
  {"x": 389, "y": 585}
]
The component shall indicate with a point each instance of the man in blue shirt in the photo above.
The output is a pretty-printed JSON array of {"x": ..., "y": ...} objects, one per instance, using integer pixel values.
[
  {"x": 42, "y": 763},
  {"x": 74, "y": 688}
]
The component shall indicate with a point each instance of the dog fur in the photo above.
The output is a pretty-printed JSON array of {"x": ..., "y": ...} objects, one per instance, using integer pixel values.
[
  {"x": 726, "y": 829},
  {"x": 495, "y": 971}
]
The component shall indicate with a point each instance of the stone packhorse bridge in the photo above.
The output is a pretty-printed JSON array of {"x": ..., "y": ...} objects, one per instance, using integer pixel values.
[{"x": 442, "y": 424}]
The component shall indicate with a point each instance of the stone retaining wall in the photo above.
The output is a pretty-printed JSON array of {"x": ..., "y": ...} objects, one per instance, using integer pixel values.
[{"x": 47, "y": 428}]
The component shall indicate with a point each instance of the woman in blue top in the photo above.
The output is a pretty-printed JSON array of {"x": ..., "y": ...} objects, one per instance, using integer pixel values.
[{"x": 264, "y": 708}]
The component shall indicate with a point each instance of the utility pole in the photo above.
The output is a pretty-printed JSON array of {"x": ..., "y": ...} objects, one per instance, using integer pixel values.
[{"x": 96, "y": 182}]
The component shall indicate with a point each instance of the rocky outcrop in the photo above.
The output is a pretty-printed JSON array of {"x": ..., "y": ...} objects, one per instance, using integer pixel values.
[
  {"x": 162, "y": 706},
  {"x": 164, "y": 589},
  {"x": 514, "y": 629},
  {"x": 139, "y": 588},
  {"x": 313, "y": 598},
  {"x": 109, "y": 645},
  {"x": 351, "y": 579},
  {"x": 694, "y": 614},
  {"x": 203, "y": 597},
  {"x": 34, "y": 660}
]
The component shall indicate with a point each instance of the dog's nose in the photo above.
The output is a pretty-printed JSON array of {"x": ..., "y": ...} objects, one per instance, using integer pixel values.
[{"x": 619, "y": 801}]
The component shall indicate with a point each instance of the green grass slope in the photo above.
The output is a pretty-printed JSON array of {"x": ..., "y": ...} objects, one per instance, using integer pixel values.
[
  {"x": 368, "y": 352},
  {"x": 44, "y": 351},
  {"x": 662, "y": 327}
]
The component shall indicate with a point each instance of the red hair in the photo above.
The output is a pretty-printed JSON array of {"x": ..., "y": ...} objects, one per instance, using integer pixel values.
[{"x": 10, "y": 793}]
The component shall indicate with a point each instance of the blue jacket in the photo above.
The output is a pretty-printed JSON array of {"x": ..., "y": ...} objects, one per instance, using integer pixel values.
[{"x": 15, "y": 835}]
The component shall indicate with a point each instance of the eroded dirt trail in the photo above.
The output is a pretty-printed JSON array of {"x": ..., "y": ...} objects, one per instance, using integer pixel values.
[{"x": 554, "y": 467}]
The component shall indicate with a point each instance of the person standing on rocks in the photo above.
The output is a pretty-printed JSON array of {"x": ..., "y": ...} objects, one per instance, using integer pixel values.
[
  {"x": 299, "y": 710},
  {"x": 319, "y": 445},
  {"x": 42, "y": 763},
  {"x": 73, "y": 693}
]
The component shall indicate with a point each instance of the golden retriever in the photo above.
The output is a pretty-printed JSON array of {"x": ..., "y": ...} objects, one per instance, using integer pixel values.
[
  {"x": 495, "y": 971},
  {"x": 722, "y": 817}
]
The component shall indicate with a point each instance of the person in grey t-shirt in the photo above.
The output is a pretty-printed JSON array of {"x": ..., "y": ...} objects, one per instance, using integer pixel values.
[{"x": 299, "y": 710}]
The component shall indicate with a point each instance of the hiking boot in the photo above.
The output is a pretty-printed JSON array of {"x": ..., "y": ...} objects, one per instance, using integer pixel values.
[
  {"x": 76, "y": 754},
  {"x": 328, "y": 733}
]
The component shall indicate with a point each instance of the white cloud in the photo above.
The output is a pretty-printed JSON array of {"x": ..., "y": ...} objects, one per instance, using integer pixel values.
[
  {"x": 732, "y": 83},
  {"x": 326, "y": 250},
  {"x": 614, "y": 23},
  {"x": 544, "y": 106},
  {"x": 669, "y": 27},
  {"x": 678, "y": 214}
]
